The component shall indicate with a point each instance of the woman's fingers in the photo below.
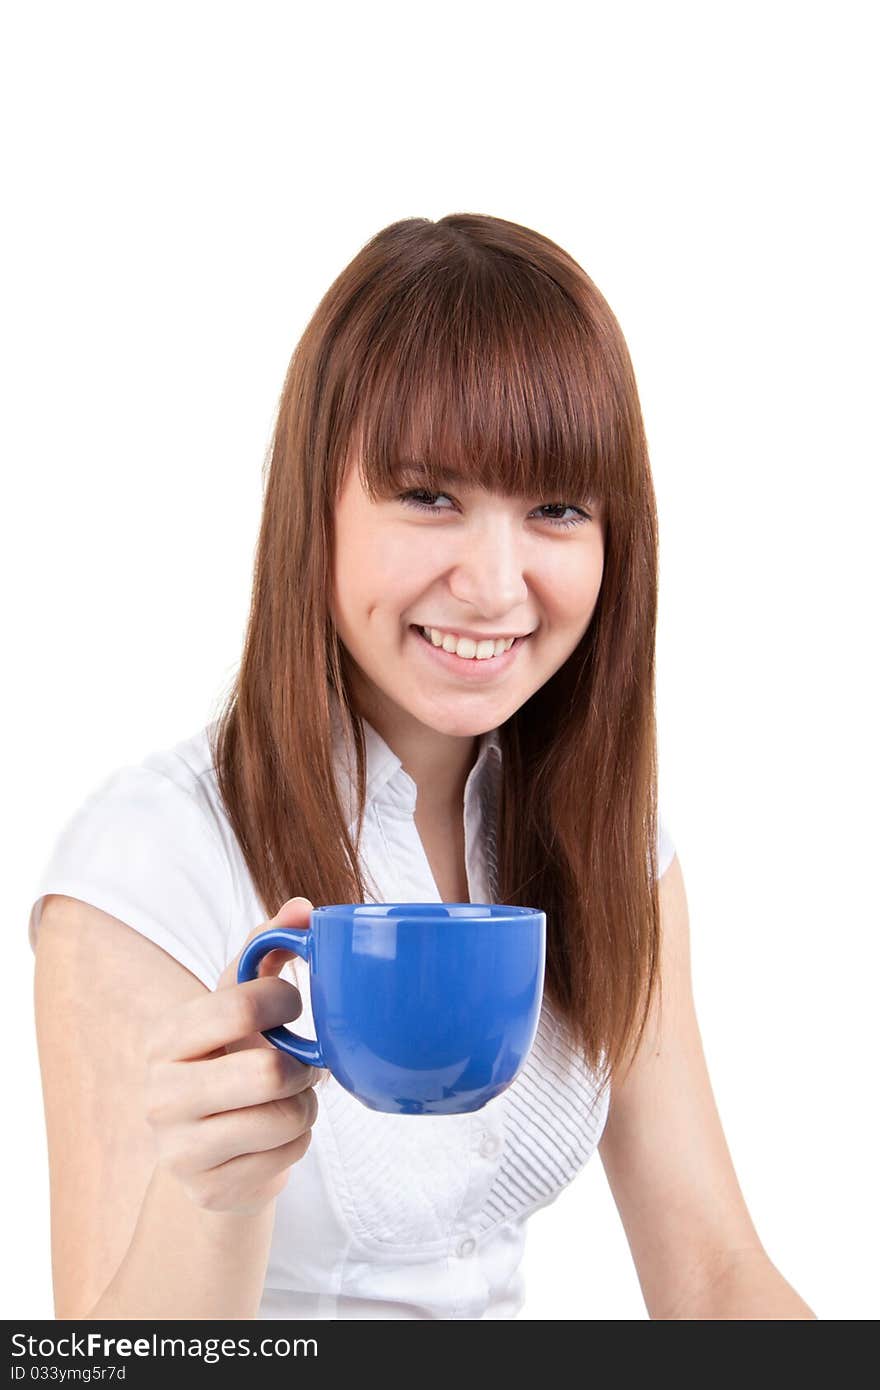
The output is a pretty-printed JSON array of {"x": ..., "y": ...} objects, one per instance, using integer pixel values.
[
  {"x": 197, "y": 1145},
  {"x": 232, "y": 1081},
  {"x": 200, "y": 1026}
]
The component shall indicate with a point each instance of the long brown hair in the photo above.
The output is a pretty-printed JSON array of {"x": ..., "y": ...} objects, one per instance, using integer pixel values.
[{"x": 478, "y": 344}]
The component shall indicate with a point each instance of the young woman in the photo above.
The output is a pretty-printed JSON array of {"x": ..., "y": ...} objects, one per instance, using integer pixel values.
[{"x": 446, "y": 694}]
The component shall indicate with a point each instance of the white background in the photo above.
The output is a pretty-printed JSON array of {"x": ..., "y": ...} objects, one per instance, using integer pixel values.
[{"x": 183, "y": 183}]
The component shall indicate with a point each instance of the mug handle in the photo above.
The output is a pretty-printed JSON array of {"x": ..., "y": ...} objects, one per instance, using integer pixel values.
[{"x": 294, "y": 939}]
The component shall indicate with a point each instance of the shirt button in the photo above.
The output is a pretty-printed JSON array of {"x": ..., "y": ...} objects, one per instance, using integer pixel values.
[
  {"x": 467, "y": 1246},
  {"x": 489, "y": 1146}
]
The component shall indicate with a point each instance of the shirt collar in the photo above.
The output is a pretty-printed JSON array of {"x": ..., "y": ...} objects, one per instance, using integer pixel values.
[{"x": 387, "y": 780}]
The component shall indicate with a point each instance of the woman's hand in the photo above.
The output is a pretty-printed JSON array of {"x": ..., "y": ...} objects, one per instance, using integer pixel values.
[{"x": 231, "y": 1113}]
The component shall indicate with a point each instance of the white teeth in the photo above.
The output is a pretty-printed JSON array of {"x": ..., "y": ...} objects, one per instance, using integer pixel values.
[{"x": 466, "y": 646}]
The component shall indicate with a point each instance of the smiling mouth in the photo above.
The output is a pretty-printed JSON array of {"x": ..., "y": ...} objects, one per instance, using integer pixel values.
[{"x": 469, "y": 660}]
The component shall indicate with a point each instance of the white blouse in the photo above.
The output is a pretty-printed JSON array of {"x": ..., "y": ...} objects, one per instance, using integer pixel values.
[{"x": 386, "y": 1216}]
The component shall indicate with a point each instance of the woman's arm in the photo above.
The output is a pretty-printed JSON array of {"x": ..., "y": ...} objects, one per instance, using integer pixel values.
[
  {"x": 186, "y": 1262},
  {"x": 663, "y": 1149},
  {"x": 126, "y": 1240},
  {"x": 746, "y": 1287}
]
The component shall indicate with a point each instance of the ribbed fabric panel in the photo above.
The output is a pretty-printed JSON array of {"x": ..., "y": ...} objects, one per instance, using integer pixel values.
[
  {"x": 489, "y": 797},
  {"x": 554, "y": 1116},
  {"x": 553, "y": 1113}
]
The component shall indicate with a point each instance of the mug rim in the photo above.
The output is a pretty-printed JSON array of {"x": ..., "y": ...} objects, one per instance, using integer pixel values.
[{"x": 474, "y": 914}]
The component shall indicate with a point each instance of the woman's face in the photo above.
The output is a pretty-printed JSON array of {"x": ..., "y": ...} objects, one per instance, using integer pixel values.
[{"x": 467, "y": 561}]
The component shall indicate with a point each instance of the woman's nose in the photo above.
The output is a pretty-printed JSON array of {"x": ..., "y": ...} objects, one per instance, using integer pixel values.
[{"x": 490, "y": 575}]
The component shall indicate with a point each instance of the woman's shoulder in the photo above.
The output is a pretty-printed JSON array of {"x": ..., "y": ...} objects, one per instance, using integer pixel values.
[
  {"x": 174, "y": 786},
  {"x": 145, "y": 844},
  {"x": 187, "y": 765},
  {"x": 185, "y": 762}
]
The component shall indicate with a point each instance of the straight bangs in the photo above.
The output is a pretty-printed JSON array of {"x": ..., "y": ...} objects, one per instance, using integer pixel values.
[{"x": 504, "y": 385}]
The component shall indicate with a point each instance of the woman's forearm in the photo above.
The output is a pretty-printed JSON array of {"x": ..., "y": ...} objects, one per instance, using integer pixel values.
[
  {"x": 750, "y": 1288},
  {"x": 187, "y": 1262}
]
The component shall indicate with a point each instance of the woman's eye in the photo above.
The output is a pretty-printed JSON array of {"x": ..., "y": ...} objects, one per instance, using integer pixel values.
[
  {"x": 410, "y": 499},
  {"x": 577, "y": 520}
]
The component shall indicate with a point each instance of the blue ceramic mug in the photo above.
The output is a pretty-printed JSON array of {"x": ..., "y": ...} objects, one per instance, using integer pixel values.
[{"x": 419, "y": 1008}]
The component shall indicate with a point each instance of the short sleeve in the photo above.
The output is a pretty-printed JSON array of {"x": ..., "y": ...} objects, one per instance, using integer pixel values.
[{"x": 141, "y": 848}]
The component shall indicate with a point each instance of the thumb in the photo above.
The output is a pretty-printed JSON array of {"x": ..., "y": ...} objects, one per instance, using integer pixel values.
[{"x": 294, "y": 913}]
